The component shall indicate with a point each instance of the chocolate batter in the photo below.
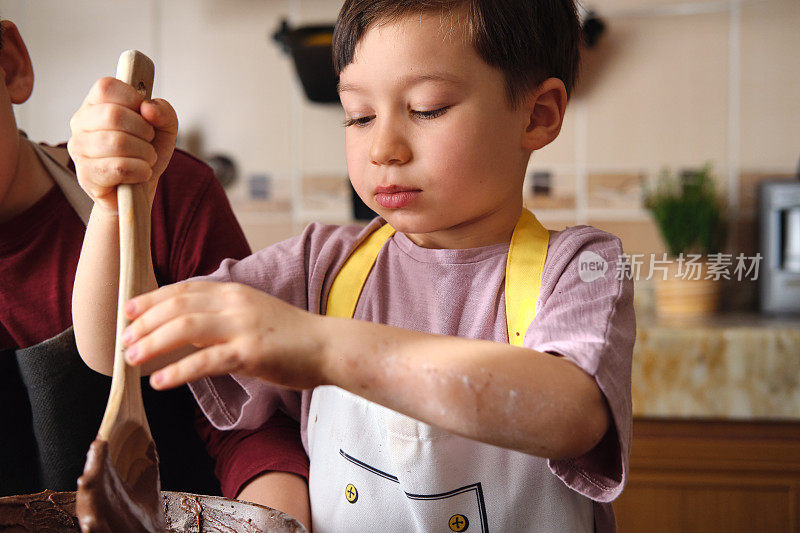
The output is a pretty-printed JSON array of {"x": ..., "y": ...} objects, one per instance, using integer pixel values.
[
  {"x": 54, "y": 512},
  {"x": 106, "y": 504},
  {"x": 45, "y": 512}
]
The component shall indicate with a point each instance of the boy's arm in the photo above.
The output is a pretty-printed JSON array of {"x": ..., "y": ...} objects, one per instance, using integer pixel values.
[
  {"x": 493, "y": 392},
  {"x": 94, "y": 294},
  {"x": 117, "y": 137},
  {"x": 280, "y": 490}
]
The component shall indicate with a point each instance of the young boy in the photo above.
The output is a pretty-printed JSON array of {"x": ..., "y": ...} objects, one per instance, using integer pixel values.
[
  {"x": 445, "y": 404},
  {"x": 52, "y": 402}
]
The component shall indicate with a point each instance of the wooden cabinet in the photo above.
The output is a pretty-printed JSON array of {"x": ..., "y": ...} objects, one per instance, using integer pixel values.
[{"x": 712, "y": 476}]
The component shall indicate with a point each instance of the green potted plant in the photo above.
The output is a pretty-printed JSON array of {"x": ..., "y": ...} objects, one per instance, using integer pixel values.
[{"x": 690, "y": 218}]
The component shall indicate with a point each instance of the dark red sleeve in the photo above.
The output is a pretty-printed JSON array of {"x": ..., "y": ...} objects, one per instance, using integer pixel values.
[
  {"x": 242, "y": 455},
  {"x": 194, "y": 229}
]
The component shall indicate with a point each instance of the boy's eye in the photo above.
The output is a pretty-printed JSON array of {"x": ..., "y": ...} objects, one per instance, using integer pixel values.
[
  {"x": 431, "y": 114},
  {"x": 425, "y": 115},
  {"x": 360, "y": 121}
]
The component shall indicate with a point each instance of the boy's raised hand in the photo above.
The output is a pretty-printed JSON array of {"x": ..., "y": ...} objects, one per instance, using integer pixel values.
[
  {"x": 118, "y": 137},
  {"x": 239, "y": 330}
]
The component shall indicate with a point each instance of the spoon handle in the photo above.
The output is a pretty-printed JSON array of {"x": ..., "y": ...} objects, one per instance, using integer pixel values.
[{"x": 125, "y": 401}]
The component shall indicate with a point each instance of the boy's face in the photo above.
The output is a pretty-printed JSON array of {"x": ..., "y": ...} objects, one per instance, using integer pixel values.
[{"x": 432, "y": 143}]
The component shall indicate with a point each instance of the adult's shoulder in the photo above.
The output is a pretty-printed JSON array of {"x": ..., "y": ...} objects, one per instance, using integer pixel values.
[
  {"x": 186, "y": 174},
  {"x": 184, "y": 161},
  {"x": 194, "y": 227},
  {"x": 189, "y": 191}
]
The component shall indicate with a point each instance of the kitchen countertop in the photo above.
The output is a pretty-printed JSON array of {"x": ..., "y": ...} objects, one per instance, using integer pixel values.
[{"x": 741, "y": 366}]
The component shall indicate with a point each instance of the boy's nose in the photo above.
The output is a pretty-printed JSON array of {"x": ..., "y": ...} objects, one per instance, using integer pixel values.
[{"x": 389, "y": 146}]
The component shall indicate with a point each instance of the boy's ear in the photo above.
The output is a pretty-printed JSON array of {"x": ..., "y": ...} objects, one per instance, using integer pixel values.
[
  {"x": 15, "y": 64},
  {"x": 546, "y": 105}
]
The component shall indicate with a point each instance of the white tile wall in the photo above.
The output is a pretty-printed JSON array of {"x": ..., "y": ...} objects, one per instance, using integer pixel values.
[{"x": 665, "y": 88}]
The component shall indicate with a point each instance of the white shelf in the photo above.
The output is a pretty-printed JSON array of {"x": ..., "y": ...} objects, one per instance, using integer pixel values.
[
  {"x": 674, "y": 10},
  {"x": 619, "y": 215}
]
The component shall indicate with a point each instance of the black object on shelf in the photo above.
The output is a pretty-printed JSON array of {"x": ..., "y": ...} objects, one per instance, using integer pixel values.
[
  {"x": 224, "y": 169},
  {"x": 311, "y": 47},
  {"x": 541, "y": 181},
  {"x": 593, "y": 28}
]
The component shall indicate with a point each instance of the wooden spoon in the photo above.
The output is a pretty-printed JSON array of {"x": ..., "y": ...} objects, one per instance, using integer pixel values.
[{"x": 120, "y": 487}]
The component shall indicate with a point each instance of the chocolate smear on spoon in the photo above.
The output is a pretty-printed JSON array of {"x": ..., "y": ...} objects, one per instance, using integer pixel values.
[{"x": 106, "y": 503}]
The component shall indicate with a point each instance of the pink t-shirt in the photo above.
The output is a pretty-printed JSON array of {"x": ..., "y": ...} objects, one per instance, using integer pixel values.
[{"x": 587, "y": 317}]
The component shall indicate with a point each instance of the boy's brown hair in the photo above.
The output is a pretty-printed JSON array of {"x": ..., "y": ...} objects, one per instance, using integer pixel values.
[{"x": 529, "y": 40}]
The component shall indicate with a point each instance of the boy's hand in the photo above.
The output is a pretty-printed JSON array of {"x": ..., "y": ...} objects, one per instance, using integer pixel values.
[
  {"x": 117, "y": 137},
  {"x": 240, "y": 330}
]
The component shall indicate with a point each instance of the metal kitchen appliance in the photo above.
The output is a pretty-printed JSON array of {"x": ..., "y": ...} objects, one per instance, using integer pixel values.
[{"x": 779, "y": 280}]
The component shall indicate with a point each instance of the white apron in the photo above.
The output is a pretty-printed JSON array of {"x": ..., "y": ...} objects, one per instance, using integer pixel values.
[
  {"x": 376, "y": 470},
  {"x": 55, "y": 162}
]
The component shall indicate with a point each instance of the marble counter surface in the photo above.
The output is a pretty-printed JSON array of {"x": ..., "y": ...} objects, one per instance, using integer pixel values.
[{"x": 732, "y": 366}]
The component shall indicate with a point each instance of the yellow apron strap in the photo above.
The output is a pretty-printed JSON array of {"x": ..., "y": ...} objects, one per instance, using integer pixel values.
[
  {"x": 349, "y": 282},
  {"x": 524, "y": 267}
]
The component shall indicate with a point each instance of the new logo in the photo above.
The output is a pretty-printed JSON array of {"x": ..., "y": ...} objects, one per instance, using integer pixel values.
[{"x": 591, "y": 266}]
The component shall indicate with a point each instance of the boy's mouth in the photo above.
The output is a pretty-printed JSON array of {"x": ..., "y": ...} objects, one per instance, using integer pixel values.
[{"x": 395, "y": 197}]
